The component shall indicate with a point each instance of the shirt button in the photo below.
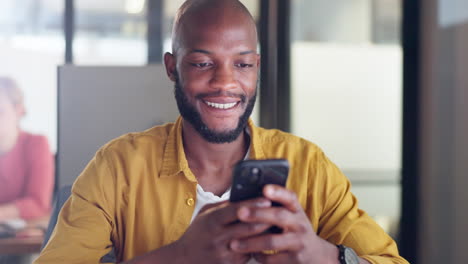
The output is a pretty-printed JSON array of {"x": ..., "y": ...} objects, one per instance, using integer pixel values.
[{"x": 190, "y": 201}]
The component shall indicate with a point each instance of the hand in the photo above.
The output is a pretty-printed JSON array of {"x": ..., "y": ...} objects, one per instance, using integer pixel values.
[
  {"x": 298, "y": 243},
  {"x": 208, "y": 237},
  {"x": 8, "y": 211}
]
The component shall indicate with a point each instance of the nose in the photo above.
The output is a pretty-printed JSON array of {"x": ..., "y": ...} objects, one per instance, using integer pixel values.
[{"x": 223, "y": 78}]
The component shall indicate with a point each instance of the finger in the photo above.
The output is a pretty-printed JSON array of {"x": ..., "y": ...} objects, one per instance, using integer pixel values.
[
  {"x": 208, "y": 207},
  {"x": 281, "y": 257},
  {"x": 228, "y": 213},
  {"x": 283, "y": 196},
  {"x": 241, "y": 230},
  {"x": 277, "y": 216},
  {"x": 277, "y": 242}
]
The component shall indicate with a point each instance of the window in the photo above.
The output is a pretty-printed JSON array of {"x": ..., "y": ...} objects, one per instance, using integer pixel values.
[
  {"x": 31, "y": 47},
  {"x": 110, "y": 32},
  {"x": 346, "y": 94}
]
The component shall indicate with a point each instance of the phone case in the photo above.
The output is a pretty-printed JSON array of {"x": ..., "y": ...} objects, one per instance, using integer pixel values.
[{"x": 250, "y": 176}]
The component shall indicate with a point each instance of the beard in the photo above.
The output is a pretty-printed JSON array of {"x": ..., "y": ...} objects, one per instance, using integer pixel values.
[{"x": 189, "y": 112}]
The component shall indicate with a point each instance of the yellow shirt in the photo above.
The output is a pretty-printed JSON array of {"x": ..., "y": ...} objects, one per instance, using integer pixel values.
[{"x": 138, "y": 194}]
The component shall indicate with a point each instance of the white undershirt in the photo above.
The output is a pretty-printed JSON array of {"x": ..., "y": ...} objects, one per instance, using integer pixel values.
[{"x": 205, "y": 198}]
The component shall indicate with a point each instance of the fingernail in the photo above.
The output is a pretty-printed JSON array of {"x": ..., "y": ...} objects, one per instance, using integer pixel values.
[
  {"x": 270, "y": 191},
  {"x": 243, "y": 212},
  {"x": 263, "y": 203},
  {"x": 235, "y": 245}
]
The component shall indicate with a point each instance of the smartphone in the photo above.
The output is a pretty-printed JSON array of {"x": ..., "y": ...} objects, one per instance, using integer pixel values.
[{"x": 250, "y": 176}]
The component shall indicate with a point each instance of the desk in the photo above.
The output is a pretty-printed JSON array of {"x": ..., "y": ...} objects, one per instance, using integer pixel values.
[
  {"x": 28, "y": 240},
  {"x": 20, "y": 246}
]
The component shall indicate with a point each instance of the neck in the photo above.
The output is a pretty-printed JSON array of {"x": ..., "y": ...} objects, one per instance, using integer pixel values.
[{"x": 202, "y": 154}]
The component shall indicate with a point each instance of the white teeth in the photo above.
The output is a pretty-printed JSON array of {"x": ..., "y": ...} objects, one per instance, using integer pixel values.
[{"x": 221, "y": 106}]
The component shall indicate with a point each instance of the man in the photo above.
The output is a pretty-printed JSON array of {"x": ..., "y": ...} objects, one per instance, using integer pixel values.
[{"x": 141, "y": 191}]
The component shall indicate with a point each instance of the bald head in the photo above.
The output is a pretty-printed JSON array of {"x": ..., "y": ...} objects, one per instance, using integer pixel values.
[
  {"x": 204, "y": 15},
  {"x": 214, "y": 63}
]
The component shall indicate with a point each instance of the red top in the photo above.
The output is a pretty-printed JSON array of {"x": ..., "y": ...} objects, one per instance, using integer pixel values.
[{"x": 27, "y": 176}]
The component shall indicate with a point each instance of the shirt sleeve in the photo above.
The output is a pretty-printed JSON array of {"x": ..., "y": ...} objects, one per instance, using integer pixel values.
[
  {"x": 36, "y": 201},
  {"x": 85, "y": 224},
  {"x": 342, "y": 222}
]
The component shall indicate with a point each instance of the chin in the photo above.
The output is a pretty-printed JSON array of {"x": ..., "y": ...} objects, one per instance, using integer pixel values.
[
  {"x": 223, "y": 127},
  {"x": 222, "y": 130}
]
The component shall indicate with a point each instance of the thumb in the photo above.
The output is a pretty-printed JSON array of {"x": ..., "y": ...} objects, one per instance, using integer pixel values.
[{"x": 212, "y": 206}]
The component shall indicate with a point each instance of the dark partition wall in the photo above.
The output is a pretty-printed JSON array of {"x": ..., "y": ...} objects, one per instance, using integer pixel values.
[{"x": 443, "y": 161}]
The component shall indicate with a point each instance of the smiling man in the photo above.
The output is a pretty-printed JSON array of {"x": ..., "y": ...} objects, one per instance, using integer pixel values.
[{"x": 143, "y": 193}]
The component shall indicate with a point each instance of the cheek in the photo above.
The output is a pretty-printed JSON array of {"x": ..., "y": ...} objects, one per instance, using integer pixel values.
[
  {"x": 194, "y": 83},
  {"x": 248, "y": 83}
]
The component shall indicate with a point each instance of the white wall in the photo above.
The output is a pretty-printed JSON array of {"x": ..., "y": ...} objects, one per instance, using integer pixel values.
[
  {"x": 348, "y": 99},
  {"x": 32, "y": 62}
]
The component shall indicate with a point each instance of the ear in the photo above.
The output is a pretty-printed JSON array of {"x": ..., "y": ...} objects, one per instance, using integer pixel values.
[
  {"x": 258, "y": 60},
  {"x": 20, "y": 110},
  {"x": 170, "y": 63}
]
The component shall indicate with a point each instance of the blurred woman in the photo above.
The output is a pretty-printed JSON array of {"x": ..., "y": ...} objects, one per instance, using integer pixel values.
[{"x": 26, "y": 163}]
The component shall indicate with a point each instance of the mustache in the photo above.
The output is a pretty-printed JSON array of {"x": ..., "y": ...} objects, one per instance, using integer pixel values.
[
  {"x": 200, "y": 96},
  {"x": 242, "y": 97}
]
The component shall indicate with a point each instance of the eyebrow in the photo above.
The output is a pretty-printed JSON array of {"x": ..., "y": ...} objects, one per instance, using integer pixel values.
[
  {"x": 246, "y": 52},
  {"x": 207, "y": 52}
]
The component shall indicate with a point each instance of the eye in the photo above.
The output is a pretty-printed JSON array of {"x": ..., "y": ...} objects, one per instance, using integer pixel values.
[
  {"x": 244, "y": 65},
  {"x": 201, "y": 64}
]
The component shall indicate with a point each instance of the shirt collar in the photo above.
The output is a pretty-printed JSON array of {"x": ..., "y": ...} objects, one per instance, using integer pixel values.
[
  {"x": 256, "y": 148},
  {"x": 175, "y": 162}
]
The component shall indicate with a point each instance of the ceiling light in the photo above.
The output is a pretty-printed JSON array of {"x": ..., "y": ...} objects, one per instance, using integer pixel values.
[{"x": 134, "y": 6}]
